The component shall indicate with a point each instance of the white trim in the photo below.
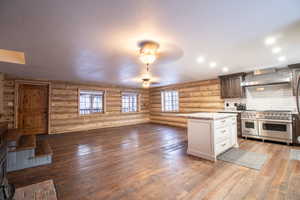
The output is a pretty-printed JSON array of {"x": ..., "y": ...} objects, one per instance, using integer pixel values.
[{"x": 91, "y": 92}]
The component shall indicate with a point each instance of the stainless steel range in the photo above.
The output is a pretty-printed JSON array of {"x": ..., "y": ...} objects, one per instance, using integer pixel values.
[{"x": 268, "y": 125}]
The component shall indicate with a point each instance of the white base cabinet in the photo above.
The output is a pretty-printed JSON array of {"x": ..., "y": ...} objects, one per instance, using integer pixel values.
[{"x": 207, "y": 138}]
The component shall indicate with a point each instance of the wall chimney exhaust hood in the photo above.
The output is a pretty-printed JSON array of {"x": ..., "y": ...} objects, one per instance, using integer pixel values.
[{"x": 271, "y": 76}]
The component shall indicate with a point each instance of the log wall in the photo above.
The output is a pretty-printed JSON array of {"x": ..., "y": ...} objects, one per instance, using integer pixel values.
[
  {"x": 64, "y": 115},
  {"x": 193, "y": 97},
  {"x": 1, "y": 96}
]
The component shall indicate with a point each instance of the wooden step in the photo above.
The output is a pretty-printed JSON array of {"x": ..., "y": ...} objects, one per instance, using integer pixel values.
[
  {"x": 43, "y": 148},
  {"x": 27, "y": 142},
  {"x": 13, "y": 138}
]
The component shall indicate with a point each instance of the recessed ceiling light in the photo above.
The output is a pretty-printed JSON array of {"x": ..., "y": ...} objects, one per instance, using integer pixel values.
[
  {"x": 276, "y": 50},
  {"x": 225, "y": 69},
  {"x": 212, "y": 64},
  {"x": 200, "y": 59},
  {"x": 270, "y": 41},
  {"x": 281, "y": 58}
]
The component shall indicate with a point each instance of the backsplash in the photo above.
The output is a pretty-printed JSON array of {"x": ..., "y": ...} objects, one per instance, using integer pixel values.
[{"x": 271, "y": 97}]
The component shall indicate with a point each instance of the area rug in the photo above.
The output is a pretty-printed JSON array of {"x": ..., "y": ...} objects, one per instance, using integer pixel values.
[
  {"x": 244, "y": 158},
  {"x": 295, "y": 154},
  {"x": 40, "y": 191}
]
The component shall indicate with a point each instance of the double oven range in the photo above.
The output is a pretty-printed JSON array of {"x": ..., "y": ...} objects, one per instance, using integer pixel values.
[{"x": 267, "y": 125}]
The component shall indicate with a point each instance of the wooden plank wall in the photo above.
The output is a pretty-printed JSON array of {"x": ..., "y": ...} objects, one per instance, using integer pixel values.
[
  {"x": 1, "y": 96},
  {"x": 193, "y": 97},
  {"x": 64, "y": 115}
]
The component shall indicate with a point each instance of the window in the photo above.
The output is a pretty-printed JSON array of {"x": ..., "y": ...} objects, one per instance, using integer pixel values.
[
  {"x": 169, "y": 101},
  {"x": 129, "y": 102},
  {"x": 91, "y": 102}
]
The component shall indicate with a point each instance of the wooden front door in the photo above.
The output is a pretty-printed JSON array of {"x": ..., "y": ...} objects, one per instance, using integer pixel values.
[{"x": 33, "y": 109}]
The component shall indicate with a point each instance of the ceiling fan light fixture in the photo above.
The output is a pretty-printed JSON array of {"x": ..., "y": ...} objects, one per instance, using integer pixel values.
[
  {"x": 146, "y": 76},
  {"x": 146, "y": 82},
  {"x": 147, "y": 58},
  {"x": 148, "y": 51}
]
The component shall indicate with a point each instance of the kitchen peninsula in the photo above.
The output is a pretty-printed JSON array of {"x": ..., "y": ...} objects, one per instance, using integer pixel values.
[{"x": 210, "y": 134}]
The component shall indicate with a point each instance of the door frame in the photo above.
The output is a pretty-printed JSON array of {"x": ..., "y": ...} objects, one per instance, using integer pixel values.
[{"x": 16, "y": 100}]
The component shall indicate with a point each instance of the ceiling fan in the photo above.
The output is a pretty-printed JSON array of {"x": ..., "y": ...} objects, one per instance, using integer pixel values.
[
  {"x": 148, "y": 54},
  {"x": 152, "y": 54},
  {"x": 147, "y": 79}
]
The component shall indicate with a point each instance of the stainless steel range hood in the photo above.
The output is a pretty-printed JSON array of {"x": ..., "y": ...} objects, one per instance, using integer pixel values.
[{"x": 267, "y": 77}]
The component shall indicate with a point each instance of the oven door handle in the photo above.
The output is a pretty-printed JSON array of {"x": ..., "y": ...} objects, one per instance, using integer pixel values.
[
  {"x": 275, "y": 121},
  {"x": 248, "y": 120}
]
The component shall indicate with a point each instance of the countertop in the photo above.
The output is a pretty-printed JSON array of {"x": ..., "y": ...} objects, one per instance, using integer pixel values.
[
  {"x": 208, "y": 115},
  {"x": 240, "y": 111},
  {"x": 231, "y": 111}
]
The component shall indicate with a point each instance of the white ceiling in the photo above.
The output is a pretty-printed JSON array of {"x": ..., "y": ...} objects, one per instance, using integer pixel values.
[{"x": 96, "y": 40}]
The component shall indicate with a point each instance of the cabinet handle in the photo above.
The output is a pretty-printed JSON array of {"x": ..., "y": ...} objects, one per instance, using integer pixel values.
[{"x": 223, "y": 144}]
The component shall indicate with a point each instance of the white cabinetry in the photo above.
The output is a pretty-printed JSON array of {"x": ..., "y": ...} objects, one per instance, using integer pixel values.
[{"x": 207, "y": 138}]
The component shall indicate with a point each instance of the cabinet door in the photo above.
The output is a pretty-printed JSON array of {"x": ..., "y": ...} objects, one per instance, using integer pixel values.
[
  {"x": 231, "y": 86},
  {"x": 232, "y": 89},
  {"x": 236, "y": 90},
  {"x": 234, "y": 131},
  {"x": 200, "y": 137},
  {"x": 225, "y": 87},
  {"x": 296, "y": 74}
]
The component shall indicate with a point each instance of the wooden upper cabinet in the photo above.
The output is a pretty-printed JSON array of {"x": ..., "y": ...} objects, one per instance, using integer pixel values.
[
  {"x": 231, "y": 86},
  {"x": 295, "y": 68}
]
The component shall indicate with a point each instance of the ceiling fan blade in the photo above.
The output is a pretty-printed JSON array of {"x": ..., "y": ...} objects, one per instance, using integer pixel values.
[
  {"x": 12, "y": 56},
  {"x": 155, "y": 84},
  {"x": 169, "y": 53}
]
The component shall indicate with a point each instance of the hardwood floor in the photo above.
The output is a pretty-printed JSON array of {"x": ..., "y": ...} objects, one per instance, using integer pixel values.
[{"x": 149, "y": 161}]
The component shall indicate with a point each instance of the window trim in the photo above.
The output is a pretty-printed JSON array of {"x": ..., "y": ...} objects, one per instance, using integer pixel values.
[
  {"x": 138, "y": 108},
  {"x": 162, "y": 97},
  {"x": 103, "y": 102}
]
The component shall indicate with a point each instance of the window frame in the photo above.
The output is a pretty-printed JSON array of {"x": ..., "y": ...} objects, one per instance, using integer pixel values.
[
  {"x": 163, "y": 101},
  {"x": 137, "y": 102},
  {"x": 101, "y": 93}
]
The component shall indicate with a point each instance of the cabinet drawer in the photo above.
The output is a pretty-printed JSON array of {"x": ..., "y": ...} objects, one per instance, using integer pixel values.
[
  {"x": 222, "y": 133},
  {"x": 222, "y": 122},
  {"x": 221, "y": 139},
  {"x": 234, "y": 120},
  {"x": 222, "y": 146}
]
